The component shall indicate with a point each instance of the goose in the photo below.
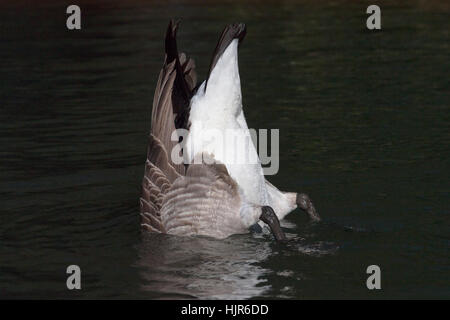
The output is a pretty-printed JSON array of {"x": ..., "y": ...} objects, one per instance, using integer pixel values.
[
  {"x": 207, "y": 195},
  {"x": 199, "y": 198}
]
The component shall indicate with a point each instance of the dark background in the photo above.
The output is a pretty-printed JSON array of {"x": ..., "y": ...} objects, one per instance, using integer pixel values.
[{"x": 364, "y": 129}]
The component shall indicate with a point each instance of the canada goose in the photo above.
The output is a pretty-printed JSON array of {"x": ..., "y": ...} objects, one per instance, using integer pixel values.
[{"x": 199, "y": 198}]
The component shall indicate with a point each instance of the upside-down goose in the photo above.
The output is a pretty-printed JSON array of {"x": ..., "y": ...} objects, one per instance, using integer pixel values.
[
  {"x": 206, "y": 195},
  {"x": 200, "y": 198}
]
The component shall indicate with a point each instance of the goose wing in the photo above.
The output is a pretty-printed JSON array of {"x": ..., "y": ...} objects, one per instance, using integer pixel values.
[
  {"x": 170, "y": 111},
  {"x": 205, "y": 202},
  {"x": 173, "y": 93},
  {"x": 185, "y": 77}
]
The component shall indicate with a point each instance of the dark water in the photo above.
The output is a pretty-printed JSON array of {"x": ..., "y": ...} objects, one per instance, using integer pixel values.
[{"x": 364, "y": 128}]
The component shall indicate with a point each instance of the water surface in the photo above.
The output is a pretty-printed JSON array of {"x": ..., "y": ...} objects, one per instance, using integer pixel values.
[{"x": 364, "y": 129}]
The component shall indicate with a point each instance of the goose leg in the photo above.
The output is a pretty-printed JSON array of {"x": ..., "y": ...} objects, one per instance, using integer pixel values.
[
  {"x": 269, "y": 217},
  {"x": 305, "y": 203}
]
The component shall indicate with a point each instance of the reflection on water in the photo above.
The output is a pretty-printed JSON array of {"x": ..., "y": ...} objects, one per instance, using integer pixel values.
[
  {"x": 203, "y": 268},
  {"x": 363, "y": 121}
]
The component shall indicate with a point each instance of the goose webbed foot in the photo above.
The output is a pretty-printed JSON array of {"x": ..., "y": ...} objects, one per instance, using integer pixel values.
[
  {"x": 269, "y": 217},
  {"x": 305, "y": 203}
]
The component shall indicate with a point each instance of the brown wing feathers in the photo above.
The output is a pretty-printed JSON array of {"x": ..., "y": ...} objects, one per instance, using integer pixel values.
[
  {"x": 170, "y": 111},
  {"x": 185, "y": 77}
]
